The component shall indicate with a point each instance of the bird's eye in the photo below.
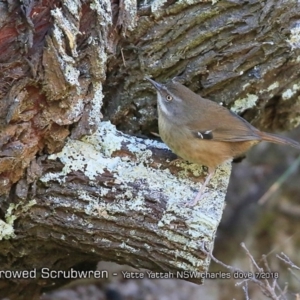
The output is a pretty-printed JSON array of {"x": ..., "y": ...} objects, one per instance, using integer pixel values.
[{"x": 169, "y": 98}]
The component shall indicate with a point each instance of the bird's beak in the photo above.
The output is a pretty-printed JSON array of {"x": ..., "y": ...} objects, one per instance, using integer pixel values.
[{"x": 157, "y": 85}]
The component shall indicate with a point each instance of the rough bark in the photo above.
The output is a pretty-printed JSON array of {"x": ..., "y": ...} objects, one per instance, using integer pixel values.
[
  {"x": 59, "y": 60},
  {"x": 109, "y": 197},
  {"x": 244, "y": 54}
]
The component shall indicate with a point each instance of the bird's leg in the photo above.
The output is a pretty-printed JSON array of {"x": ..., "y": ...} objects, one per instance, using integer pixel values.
[{"x": 201, "y": 191}]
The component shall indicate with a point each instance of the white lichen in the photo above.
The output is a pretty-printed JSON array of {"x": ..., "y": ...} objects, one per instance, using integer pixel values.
[
  {"x": 103, "y": 9},
  {"x": 73, "y": 6},
  {"x": 12, "y": 213},
  {"x": 69, "y": 29},
  {"x": 6, "y": 230},
  {"x": 289, "y": 93},
  {"x": 242, "y": 104},
  {"x": 94, "y": 154},
  {"x": 130, "y": 6},
  {"x": 156, "y": 6},
  {"x": 273, "y": 86},
  {"x": 294, "y": 40}
]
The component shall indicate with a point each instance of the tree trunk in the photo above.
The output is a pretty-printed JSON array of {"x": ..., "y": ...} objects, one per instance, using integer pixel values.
[{"x": 102, "y": 194}]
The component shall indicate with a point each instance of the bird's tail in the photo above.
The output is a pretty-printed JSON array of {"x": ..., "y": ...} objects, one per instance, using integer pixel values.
[{"x": 273, "y": 138}]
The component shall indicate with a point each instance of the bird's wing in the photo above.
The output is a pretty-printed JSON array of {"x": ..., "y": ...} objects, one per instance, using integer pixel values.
[{"x": 229, "y": 127}]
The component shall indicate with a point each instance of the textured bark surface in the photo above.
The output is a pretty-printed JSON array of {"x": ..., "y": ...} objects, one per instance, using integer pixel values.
[
  {"x": 47, "y": 79},
  {"x": 115, "y": 198},
  {"x": 244, "y": 54},
  {"x": 59, "y": 60},
  {"x": 55, "y": 57}
]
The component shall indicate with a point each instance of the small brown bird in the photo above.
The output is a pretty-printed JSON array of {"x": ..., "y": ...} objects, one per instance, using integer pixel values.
[{"x": 204, "y": 132}]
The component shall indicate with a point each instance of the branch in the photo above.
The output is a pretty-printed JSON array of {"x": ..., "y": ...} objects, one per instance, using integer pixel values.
[{"x": 116, "y": 198}]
